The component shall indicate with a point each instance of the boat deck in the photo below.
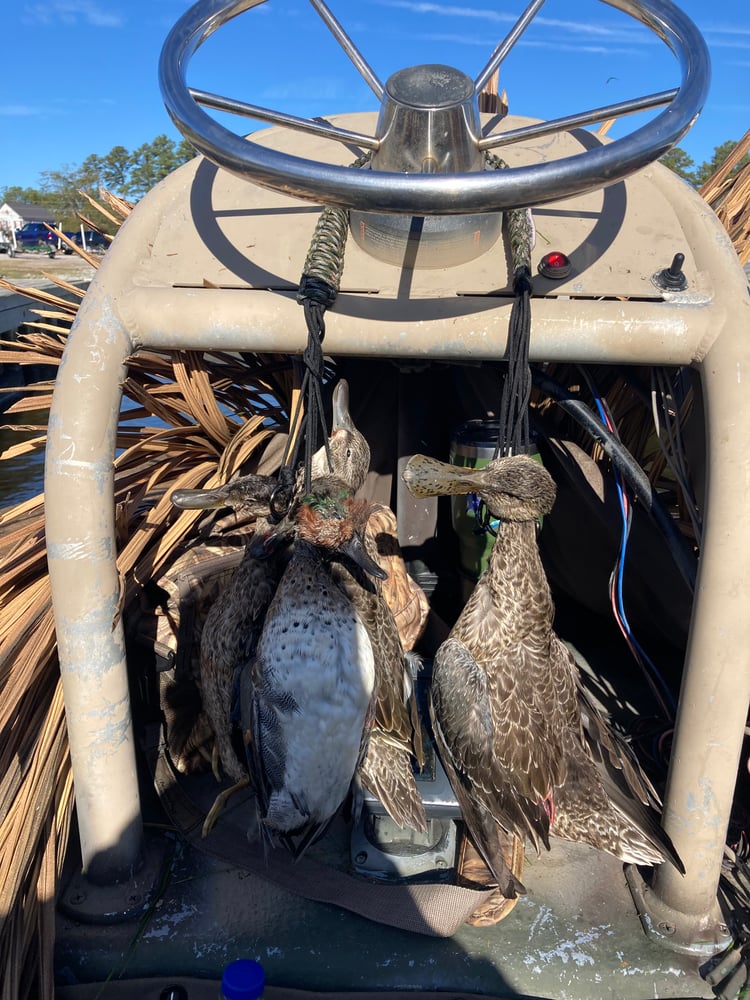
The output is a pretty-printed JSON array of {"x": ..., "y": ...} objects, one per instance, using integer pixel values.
[{"x": 575, "y": 935}]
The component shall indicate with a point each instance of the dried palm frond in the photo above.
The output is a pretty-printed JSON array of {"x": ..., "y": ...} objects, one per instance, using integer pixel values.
[
  {"x": 188, "y": 420},
  {"x": 728, "y": 194}
]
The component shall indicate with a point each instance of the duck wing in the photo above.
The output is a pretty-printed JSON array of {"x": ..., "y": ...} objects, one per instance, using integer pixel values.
[
  {"x": 386, "y": 771},
  {"x": 495, "y": 747},
  {"x": 640, "y": 838},
  {"x": 396, "y": 737},
  {"x": 605, "y": 799},
  {"x": 263, "y": 708},
  {"x": 229, "y": 639}
]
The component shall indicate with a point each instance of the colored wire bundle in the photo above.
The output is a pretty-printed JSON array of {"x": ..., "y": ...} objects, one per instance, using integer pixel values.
[{"x": 658, "y": 685}]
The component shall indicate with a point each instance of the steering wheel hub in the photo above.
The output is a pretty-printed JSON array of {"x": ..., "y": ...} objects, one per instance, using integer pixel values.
[{"x": 428, "y": 124}]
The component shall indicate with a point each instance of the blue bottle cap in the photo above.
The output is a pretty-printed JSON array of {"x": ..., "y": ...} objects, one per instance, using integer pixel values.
[{"x": 243, "y": 980}]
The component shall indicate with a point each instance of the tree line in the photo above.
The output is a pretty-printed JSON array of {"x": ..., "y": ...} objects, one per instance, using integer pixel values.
[
  {"x": 131, "y": 174},
  {"x": 125, "y": 174},
  {"x": 679, "y": 161}
]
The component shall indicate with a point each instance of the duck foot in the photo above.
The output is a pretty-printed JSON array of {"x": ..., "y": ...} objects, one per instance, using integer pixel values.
[
  {"x": 472, "y": 869},
  {"x": 219, "y": 802}
]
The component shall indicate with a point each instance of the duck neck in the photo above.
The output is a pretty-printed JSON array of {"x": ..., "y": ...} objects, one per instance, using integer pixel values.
[{"x": 516, "y": 566}]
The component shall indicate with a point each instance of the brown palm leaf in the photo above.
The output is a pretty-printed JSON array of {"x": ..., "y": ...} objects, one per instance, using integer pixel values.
[{"x": 188, "y": 420}]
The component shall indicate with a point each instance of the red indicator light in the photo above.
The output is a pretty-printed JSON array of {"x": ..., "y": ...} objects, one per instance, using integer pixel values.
[{"x": 554, "y": 265}]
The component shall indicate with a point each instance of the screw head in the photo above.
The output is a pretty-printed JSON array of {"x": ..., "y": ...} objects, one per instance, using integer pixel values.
[
  {"x": 666, "y": 926},
  {"x": 360, "y": 858}
]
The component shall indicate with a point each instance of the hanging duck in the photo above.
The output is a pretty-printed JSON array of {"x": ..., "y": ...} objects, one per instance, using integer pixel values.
[
  {"x": 394, "y": 746},
  {"x": 232, "y": 627},
  {"x": 234, "y": 619},
  {"x": 395, "y": 741},
  {"x": 308, "y": 697},
  {"x": 526, "y": 751}
]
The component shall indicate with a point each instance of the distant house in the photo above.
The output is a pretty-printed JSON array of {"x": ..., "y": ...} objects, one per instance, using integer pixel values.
[{"x": 14, "y": 214}]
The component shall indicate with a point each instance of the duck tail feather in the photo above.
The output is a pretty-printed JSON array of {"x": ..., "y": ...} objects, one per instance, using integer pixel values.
[
  {"x": 641, "y": 833},
  {"x": 630, "y": 791},
  {"x": 485, "y": 835},
  {"x": 396, "y": 788}
]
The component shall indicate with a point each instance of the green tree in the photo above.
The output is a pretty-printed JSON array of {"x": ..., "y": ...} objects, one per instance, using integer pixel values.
[
  {"x": 29, "y": 196},
  {"x": 721, "y": 152},
  {"x": 678, "y": 161},
  {"x": 150, "y": 163},
  {"x": 185, "y": 152},
  {"x": 64, "y": 187},
  {"x": 115, "y": 169},
  {"x": 90, "y": 172}
]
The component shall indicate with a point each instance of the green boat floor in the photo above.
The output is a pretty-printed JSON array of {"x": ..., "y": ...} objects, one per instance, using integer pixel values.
[{"x": 574, "y": 936}]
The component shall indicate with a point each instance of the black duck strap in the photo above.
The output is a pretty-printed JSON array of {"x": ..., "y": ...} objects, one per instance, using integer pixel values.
[
  {"x": 318, "y": 288},
  {"x": 514, "y": 437},
  {"x": 311, "y": 393},
  {"x": 435, "y": 909}
]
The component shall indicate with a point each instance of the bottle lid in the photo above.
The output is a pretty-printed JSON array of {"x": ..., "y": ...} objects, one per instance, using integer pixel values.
[{"x": 243, "y": 980}]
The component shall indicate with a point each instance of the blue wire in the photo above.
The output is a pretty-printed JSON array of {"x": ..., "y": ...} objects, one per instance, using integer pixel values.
[{"x": 620, "y": 568}]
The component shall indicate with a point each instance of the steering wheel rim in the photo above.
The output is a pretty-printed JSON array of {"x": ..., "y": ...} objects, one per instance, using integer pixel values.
[{"x": 435, "y": 194}]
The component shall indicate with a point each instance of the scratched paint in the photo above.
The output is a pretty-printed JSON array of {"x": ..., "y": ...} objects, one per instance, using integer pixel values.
[
  {"x": 165, "y": 924},
  {"x": 573, "y": 951}
]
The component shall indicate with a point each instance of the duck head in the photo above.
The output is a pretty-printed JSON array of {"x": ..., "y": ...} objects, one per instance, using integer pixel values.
[
  {"x": 516, "y": 488},
  {"x": 333, "y": 522},
  {"x": 349, "y": 451},
  {"x": 250, "y": 495},
  {"x": 247, "y": 495}
]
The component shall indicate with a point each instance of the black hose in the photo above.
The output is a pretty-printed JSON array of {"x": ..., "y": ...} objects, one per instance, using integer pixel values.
[{"x": 631, "y": 471}]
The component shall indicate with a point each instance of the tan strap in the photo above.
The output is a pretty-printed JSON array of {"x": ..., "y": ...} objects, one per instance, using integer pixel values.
[{"x": 436, "y": 909}]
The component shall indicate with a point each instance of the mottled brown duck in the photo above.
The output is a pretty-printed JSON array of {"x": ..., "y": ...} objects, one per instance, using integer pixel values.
[{"x": 526, "y": 751}]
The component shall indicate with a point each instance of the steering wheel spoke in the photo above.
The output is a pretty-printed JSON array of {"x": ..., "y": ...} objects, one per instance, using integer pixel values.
[
  {"x": 568, "y": 122},
  {"x": 350, "y": 48},
  {"x": 318, "y": 127},
  {"x": 504, "y": 48},
  {"x": 411, "y": 173}
]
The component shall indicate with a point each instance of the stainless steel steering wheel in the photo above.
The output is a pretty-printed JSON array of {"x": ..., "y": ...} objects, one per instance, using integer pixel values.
[{"x": 420, "y": 191}]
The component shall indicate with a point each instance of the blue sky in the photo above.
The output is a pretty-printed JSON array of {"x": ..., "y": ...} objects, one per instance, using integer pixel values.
[{"x": 80, "y": 76}]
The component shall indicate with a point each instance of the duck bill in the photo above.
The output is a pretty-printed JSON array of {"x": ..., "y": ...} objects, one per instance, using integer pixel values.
[
  {"x": 341, "y": 418},
  {"x": 357, "y": 552},
  {"x": 427, "y": 477},
  {"x": 247, "y": 491},
  {"x": 199, "y": 499}
]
